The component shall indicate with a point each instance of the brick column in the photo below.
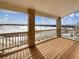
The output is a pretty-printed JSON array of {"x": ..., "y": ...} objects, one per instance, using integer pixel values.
[
  {"x": 58, "y": 26},
  {"x": 31, "y": 27}
]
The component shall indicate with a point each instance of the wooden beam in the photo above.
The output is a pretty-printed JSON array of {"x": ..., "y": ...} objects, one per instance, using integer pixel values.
[
  {"x": 58, "y": 26},
  {"x": 31, "y": 28}
]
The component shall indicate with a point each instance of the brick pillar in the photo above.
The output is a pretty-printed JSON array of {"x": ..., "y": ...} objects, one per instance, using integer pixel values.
[
  {"x": 31, "y": 27},
  {"x": 58, "y": 26}
]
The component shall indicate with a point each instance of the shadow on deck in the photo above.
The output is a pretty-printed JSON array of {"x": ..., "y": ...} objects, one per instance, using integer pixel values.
[{"x": 58, "y": 48}]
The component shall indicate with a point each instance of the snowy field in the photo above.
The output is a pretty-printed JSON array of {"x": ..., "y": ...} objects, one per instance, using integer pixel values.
[{"x": 11, "y": 29}]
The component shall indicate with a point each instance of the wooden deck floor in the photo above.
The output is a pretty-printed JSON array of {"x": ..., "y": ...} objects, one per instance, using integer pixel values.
[{"x": 58, "y": 48}]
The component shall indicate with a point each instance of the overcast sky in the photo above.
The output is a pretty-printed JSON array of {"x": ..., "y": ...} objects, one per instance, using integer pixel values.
[{"x": 11, "y": 17}]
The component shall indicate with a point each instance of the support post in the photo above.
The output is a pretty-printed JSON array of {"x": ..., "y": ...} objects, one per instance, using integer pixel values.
[
  {"x": 31, "y": 28},
  {"x": 58, "y": 26}
]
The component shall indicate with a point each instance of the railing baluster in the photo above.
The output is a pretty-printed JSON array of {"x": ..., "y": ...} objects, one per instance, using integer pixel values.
[
  {"x": 23, "y": 39},
  {"x": 12, "y": 38},
  {"x": 15, "y": 38},
  {"x": 9, "y": 41},
  {"x": 6, "y": 41},
  {"x": 19, "y": 40},
  {"x": 3, "y": 43},
  {"x": 20, "y": 36}
]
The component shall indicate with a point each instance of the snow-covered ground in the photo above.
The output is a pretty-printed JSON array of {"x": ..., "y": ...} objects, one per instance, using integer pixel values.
[
  {"x": 11, "y": 29},
  {"x": 69, "y": 35}
]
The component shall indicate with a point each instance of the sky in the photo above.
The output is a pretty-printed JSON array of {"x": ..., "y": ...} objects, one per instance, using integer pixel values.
[
  {"x": 71, "y": 19},
  {"x": 11, "y": 17}
]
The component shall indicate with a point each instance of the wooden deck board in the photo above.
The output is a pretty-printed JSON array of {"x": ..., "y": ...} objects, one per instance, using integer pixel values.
[{"x": 58, "y": 48}]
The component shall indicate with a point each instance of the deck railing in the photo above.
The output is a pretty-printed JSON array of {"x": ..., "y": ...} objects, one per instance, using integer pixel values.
[
  {"x": 45, "y": 35},
  {"x": 11, "y": 40}
]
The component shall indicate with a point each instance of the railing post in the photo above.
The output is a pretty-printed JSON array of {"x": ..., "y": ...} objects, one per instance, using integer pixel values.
[
  {"x": 31, "y": 28},
  {"x": 58, "y": 26}
]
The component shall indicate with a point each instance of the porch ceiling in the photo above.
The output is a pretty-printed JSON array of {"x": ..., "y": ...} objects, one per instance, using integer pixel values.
[{"x": 47, "y": 7}]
